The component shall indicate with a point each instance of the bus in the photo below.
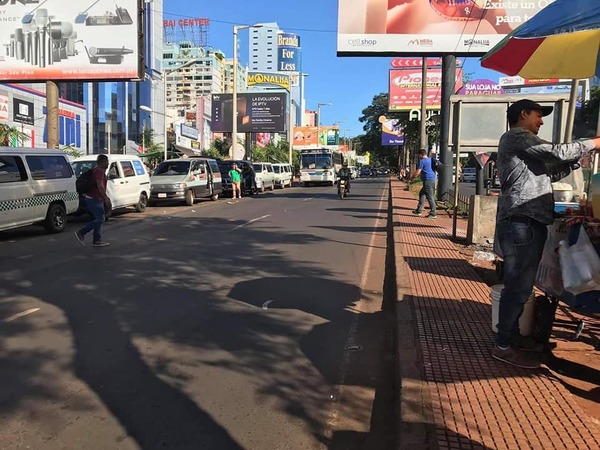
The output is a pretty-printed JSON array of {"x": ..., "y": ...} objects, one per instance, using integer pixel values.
[{"x": 319, "y": 166}]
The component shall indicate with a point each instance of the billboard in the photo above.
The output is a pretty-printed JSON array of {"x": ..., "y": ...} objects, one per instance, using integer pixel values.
[
  {"x": 307, "y": 136},
  {"x": 257, "y": 112},
  {"x": 392, "y": 133},
  {"x": 52, "y": 40},
  {"x": 4, "y": 107},
  {"x": 23, "y": 111},
  {"x": 405, "y": 88},
  {"x": 288, "y": 52},
  {"x": 269, "y": 79},
  {"x": 481, "y": 86},
  {"x": 460, "y": 27}
]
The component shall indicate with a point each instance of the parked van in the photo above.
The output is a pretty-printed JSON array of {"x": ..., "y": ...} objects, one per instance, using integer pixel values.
[
  {"x": 282, "y": 174},
  {"x": 265, "y": 176},
  {"x": 36, "y": 186},
  {"x": 185, "y": 179},
  {"x": 128, "y": 180}
]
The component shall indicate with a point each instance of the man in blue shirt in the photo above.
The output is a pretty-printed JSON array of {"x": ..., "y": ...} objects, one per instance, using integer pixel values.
[{"x": 425, "y": 170}]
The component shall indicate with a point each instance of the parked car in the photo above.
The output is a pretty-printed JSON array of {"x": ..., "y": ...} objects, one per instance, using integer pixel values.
[
  {"x": 185, "y": 179},
  {"x": 283, "y": 175},
  {"x": 265, "y": 176},
  {"x": 468, "y": 175},
  {"x": 37, "y": 186},
  {"x": 225, "y": 167},
  {"x": 128, "y": 181}
]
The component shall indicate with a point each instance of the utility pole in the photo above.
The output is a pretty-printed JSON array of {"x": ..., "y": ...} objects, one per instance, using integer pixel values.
[
  {"x": 424, "y": 105},
  {"x": 448, "y": 82},
  {"x": 52, "y": 114}
]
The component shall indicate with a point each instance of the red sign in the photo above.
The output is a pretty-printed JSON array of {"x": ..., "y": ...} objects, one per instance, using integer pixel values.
[
  {"x": 405, "y": 88},
  {"x": 414, "y": 62},
  {"x": 541, "y": 81}
]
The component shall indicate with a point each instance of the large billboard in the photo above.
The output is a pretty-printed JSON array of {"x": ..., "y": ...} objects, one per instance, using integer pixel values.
[
  {"x": 405, "y": 88},
  {"x": 460, "y": 27},
  {"x": 288, "y": 53},
  {"x": 392, "y": 132},
  {"x": 257, "y": 112},
  {"x": 62, "y": 40},
  {"x": 309, "y": 136},
  {"x": 269, "y": 80}
]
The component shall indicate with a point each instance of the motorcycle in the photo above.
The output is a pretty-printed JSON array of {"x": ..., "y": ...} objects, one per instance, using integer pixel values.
[{"x": 342, "y": 188}]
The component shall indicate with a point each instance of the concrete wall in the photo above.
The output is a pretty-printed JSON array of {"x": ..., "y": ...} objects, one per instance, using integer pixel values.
[{"x": 482, "y": 219}]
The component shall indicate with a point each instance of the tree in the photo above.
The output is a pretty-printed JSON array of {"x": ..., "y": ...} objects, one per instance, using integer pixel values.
[
  {"x": 11, "y": 136},
  {"x": 219, "y": 149}
]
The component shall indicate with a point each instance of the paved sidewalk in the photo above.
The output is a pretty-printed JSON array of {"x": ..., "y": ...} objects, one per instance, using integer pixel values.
[{"x": 454, "y": 395}]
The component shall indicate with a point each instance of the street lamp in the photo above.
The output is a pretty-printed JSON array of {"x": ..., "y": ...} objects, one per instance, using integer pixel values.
[
  {"x": 236, "y": 28},
  {"x": 319, "y": 120}
]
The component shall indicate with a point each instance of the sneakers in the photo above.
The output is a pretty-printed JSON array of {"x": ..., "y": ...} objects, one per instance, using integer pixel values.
[
  {"x": 516, "y": 358},
  {"x": 100, "y": 244},
  {"x": 80, "y": 237},
  {"x": 417, "y": 213},
  {"x": 527, "y": 344},
  {"x": 432, "y": 216}
]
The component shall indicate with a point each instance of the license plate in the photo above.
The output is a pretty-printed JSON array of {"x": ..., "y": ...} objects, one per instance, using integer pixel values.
[{"x": 162, "y": 195}]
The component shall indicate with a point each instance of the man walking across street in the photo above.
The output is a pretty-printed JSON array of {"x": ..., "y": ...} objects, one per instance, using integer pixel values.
[
  {"x": 427, "y": 174},
  {"x": 527, "y": 166},
  {"x": 96, "y": 200}
]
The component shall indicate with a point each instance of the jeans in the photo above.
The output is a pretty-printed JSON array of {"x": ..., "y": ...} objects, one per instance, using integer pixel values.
[
  {"x": 427, "y": 193},
  {"x": 522, "y": 242},
  {"x": 96, "y": 209}
]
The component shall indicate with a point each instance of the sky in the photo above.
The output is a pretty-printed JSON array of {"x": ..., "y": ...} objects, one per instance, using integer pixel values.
[{"x": 349, "y": 83}]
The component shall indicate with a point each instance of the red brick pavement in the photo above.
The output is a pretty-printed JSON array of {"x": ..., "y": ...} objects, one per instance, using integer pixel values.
[{"x": 475, "y": 401}]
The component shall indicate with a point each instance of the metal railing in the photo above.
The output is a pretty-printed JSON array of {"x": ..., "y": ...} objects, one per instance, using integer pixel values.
[{"x": 463, "y": 203}]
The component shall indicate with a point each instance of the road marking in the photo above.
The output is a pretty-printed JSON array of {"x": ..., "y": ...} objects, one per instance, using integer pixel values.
[
  {"x": 266, "y": 304},
  {"x": 252, "y": 221},
  {"x": 350, "y": 339},
  {"x": 21, "y": 314},
  {"x": 307, "y": 199}
]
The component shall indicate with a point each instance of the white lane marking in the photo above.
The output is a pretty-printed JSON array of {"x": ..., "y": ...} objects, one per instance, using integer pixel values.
[
  {"x": 21, "y": 314},
  {"x": 350, "y": 339},
  {"x": 252, "y": 221},
  {"x": 307, "y": 199},
  {"x": 266, "y": 304}
]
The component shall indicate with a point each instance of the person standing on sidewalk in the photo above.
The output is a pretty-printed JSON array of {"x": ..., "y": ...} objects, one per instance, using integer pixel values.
[
  {"x": 96, "y": 200},
  {"x": 527, "y": 166},
  {"x": 236, "y": 178},
  {"x": 427, "y": 174}
]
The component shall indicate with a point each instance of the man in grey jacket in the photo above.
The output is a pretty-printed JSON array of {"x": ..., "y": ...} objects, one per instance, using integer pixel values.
[{"x": 527, "y": 166}]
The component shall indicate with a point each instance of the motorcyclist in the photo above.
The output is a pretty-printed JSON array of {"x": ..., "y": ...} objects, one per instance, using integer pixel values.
[{"x": 345, "y": 173}]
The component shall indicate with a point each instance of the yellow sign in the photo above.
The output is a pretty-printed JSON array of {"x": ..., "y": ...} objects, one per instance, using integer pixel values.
[{"x": 257, "y": 78}]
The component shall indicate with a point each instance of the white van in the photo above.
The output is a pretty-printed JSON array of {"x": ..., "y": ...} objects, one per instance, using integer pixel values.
[
  {"x": 36, "y": 186},
  {"x": 128, "y": 180},
  {"x": 265, "y": 176},
  {"x": 283, "y": 175}
]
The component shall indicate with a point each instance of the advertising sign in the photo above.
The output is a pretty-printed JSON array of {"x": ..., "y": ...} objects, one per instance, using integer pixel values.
[
  {"x": 189, "y": 132},
  {"x": 520, "y": 81},
  {"x": 257, "y": 112},
  {"x": 392, "y": 133},
  {"x": 307, "y": 136},
  {"x": 3, "y": 107},
  {"x": 23, "y": 111},
  {"x": 400, "y": 63},
  {"x": 288, "y": 52},
  {"x": 481, "y": 87},
  {"x": 460, "y": 27},
  {"x": 61, "y": 40},
  {"x": 269, "y": 79},
  {"x": 405, "y": 88}
]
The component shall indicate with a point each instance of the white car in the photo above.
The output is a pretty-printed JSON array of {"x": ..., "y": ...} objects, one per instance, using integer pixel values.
[
  {"x": 283, "y": 175},
  {"x": 128, "y": 180},
  {"x": 265, "y": 176},
  {"x": 37, "y": 186}
]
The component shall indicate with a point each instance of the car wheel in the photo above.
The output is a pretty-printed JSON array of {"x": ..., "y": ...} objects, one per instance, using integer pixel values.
[
  {"x": 189, "y": 197},
  {"x": 272, "y": 186},
  {"x": 56, "y": 218},
  {"x": 262, "y": 188},
  {"x": 142, "y": 203},
  {"x": 214, "y": 197}
]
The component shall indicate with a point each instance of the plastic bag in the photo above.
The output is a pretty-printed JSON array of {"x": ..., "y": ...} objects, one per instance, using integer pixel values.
[{"x": 579, "y": 265}]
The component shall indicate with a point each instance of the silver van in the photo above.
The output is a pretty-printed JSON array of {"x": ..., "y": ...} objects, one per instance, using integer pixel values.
[
  {"x": 37, "y": 186},
  {"x": 265, "y": 176}
]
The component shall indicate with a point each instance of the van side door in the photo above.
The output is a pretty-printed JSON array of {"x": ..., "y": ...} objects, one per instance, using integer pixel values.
[
  {"x": 16, "y": 192},
  {"x": 130, "y": 187},
  {"x": 51, "y": 179}
]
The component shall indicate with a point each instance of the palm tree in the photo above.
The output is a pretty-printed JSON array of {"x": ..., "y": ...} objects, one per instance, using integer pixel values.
[{"x": 11, "y": 136}]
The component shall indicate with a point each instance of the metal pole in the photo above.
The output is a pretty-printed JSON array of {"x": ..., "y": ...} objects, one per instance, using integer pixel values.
[
  {"x": 144, "y": 136},
  {"x": 290, "y": 129},
  {"x": 318, "y": 124},
  {"x": 448, "y": 82},
  {"x": 424, "y": 104},
  {"x": 52, "y": 114},
  {"x": 456, "y": 158},
  {"x": 571, "y": 111},
  {"x": 234, "y": 90},
  {"x": 164, "y": 75}
]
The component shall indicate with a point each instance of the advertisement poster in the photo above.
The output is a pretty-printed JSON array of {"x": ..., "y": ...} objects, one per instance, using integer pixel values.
[
  {"x": 392, "y": 133},
  {"x": 257, "y": 112},
  {"x": 405, "y": 88},
  {"x": 307, "y": 136},
  {"x": 460, "y": 27},
  {"x": 266, "y": 79},
  {"x": 481, "y": 86},
  {"x": 66, "y": 40},
  {"x": 23, "y": 111},
  {"x": 3, "y": 107}
]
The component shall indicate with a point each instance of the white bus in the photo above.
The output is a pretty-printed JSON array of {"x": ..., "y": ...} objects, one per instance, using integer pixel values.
[{"x": 319, "y": 166}]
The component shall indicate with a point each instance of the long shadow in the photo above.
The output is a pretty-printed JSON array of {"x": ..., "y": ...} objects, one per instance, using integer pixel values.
[
  {"x": 359, "y": 210},
  {"x": 449, "y": 267}
]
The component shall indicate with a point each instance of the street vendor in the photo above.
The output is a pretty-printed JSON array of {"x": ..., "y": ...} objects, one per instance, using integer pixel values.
[{"x": 527, "y": 165}]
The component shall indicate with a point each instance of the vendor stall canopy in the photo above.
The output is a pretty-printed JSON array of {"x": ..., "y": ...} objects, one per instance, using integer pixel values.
[{"x": 561, "y": 41}]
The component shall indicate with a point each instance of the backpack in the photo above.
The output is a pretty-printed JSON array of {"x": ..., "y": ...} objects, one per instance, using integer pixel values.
[
  {"x": 85, "y": 182},
  {"x": 435, "y": 166}
]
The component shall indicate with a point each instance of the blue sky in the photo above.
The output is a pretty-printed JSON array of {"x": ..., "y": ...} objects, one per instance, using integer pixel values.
[{"x": 349, "y": 83}]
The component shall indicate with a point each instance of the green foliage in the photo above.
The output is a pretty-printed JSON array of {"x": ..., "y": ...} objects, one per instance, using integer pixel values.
[
  {"x": 219, "y": 149},
  {"x": 72, "y": 152},
  {"x": 11, "y": 136},
  {"x": 273, "y": 153},
  {"x": 589, "y": 114}
]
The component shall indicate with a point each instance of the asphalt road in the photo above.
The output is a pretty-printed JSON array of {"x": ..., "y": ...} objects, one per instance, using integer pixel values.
[{"x": 260, "y": 324}]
